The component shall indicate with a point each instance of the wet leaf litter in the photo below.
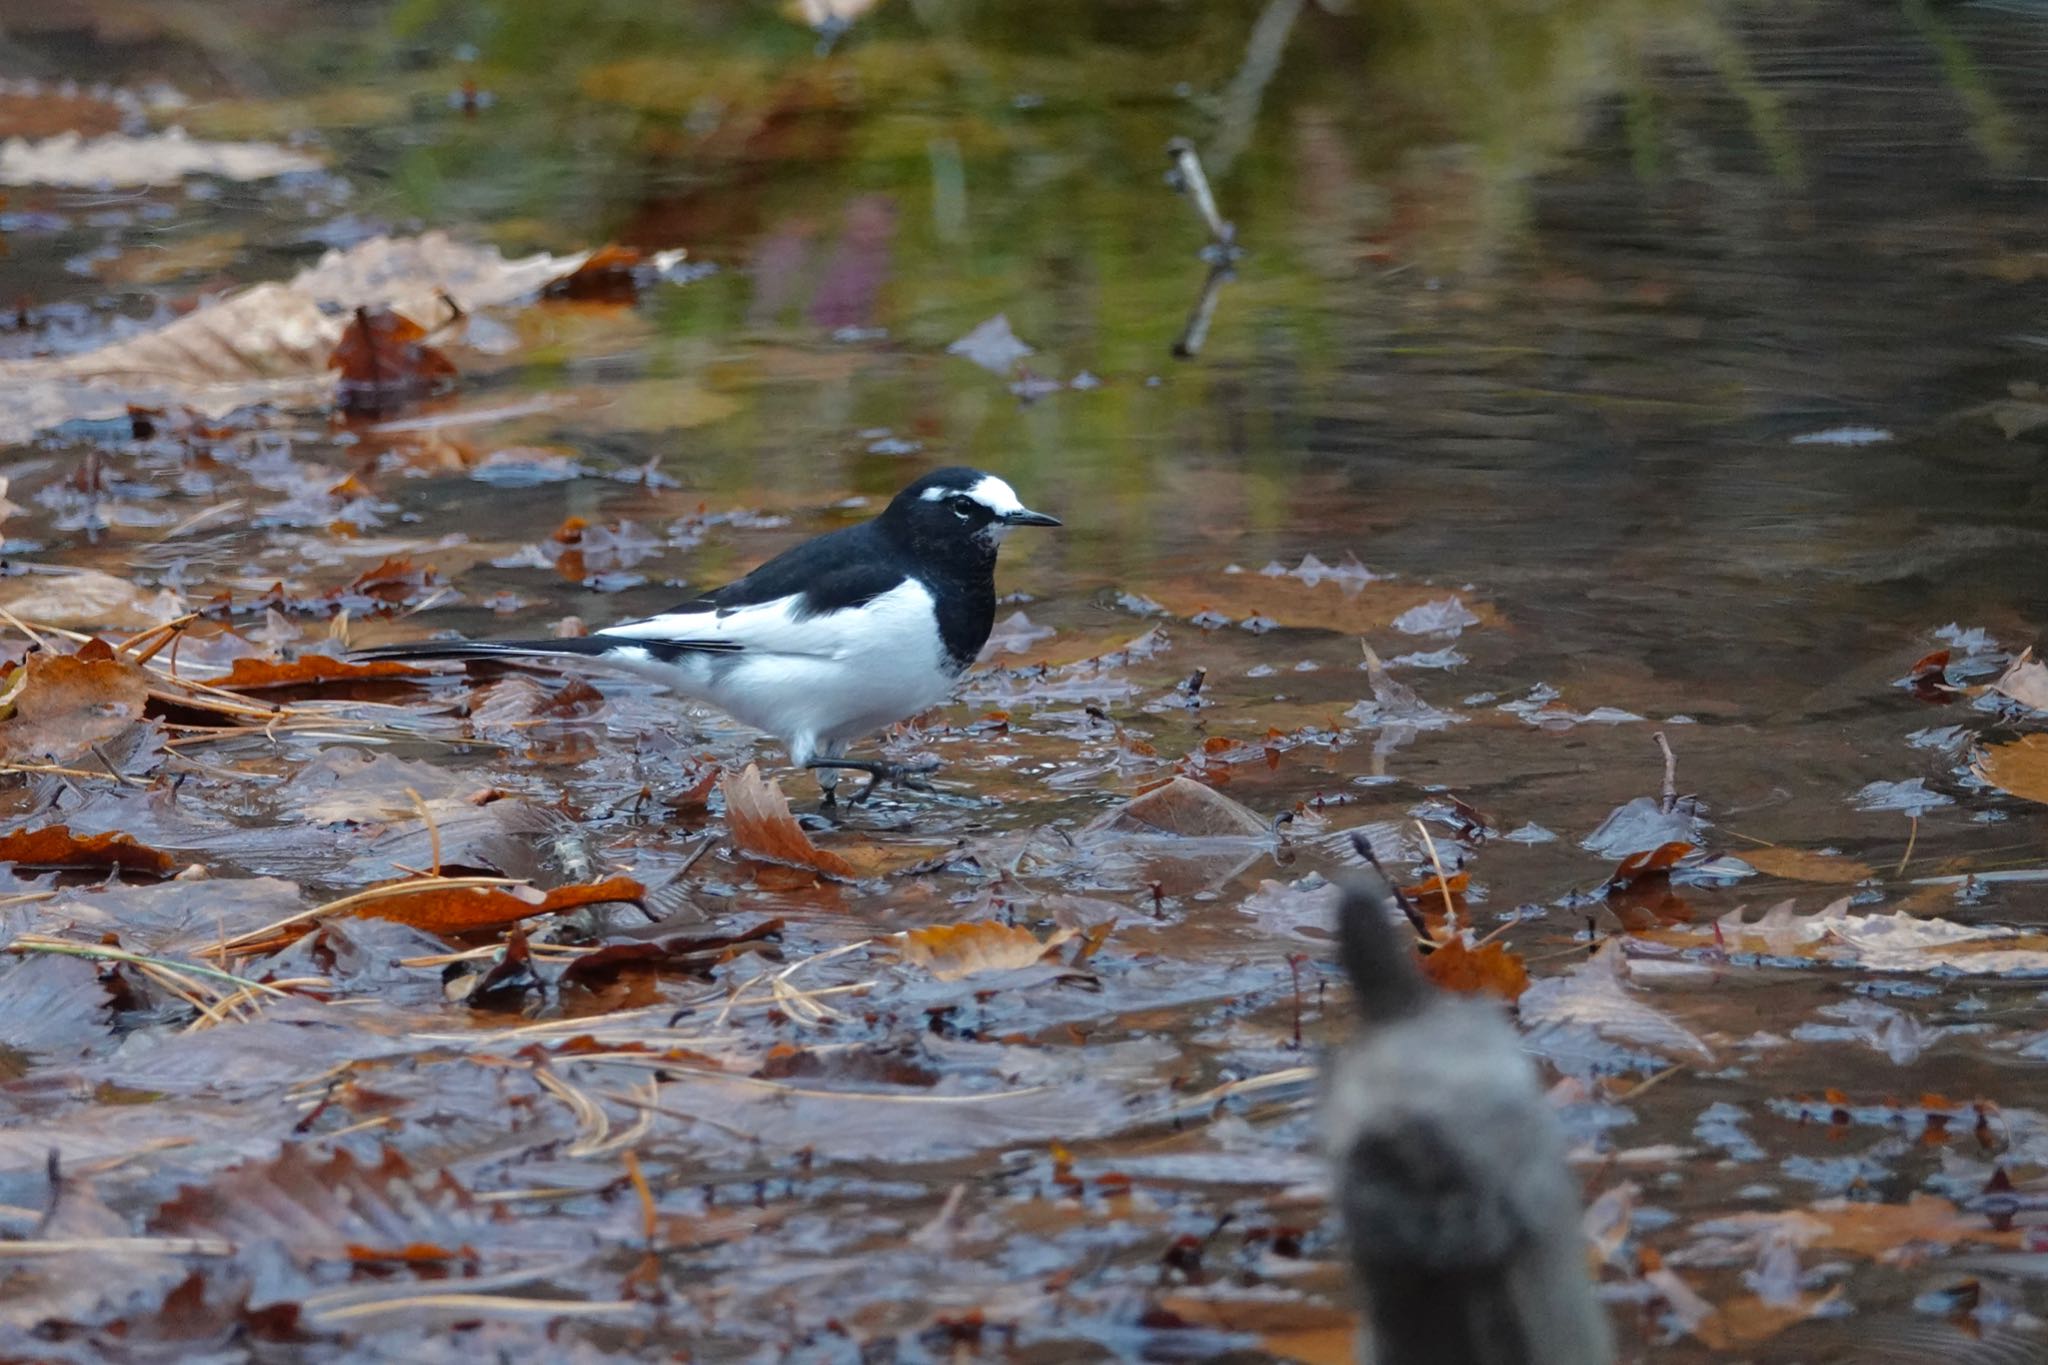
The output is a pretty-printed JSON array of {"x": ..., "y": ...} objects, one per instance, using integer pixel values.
[{"x": 360, "y": 1004}]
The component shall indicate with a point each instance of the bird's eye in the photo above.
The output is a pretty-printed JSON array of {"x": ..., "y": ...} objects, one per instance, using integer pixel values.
[{"x": 963, "y": 508}]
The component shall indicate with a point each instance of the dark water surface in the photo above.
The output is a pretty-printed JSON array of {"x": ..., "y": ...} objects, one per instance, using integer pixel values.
[{"x": 1680, "y": 342}]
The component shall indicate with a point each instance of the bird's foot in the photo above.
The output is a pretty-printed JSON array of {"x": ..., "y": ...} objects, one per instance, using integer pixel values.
[{"x": 910, "y": 775}]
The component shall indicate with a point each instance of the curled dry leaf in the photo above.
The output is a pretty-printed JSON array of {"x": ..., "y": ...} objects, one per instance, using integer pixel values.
[
  {"x": 2026, "y": 682},
  {"x": 611, "y": 274},
  {"x": 67, "y": 703},
  {"x": 757, "y": 816},
  {"x": 1488, "y": 969},
  {"x": 256, "y": 675},
  {"x": 2019, "y": 768},
  {"x": 57, "y": 846},
  {"x": 951, "y": 951},
  {"x": 1656, "y": 862}
]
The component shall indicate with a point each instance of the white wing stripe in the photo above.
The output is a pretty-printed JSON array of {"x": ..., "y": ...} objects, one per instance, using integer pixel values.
[{"x": 888, "y": 622}]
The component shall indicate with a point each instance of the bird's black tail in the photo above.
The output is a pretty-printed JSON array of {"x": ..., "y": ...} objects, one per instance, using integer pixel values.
[{"x": 585, "y": 646}]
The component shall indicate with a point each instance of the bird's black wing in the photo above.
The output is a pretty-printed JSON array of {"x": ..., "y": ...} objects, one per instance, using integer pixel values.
[{"x": 840, "y": 569}]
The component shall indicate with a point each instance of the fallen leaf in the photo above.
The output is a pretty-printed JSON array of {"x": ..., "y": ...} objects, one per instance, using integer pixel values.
[
  {"x": 473, "y": 909},
  {"x": 1656, "y": 862},
  {"x": 1184, "y": 807},
  {"x": 1260, "y": 602},
  {"x": 1596, "y": 994},
  {"x": 952, "y": 951},
  {"x": 269, "y": 342},
  {"x": 682, "y": 954},
  {"x": 57, "y": 846},
  {"x": 2026, "y": 682},
  {"x": 68, "y": 703},
  {"x": 757, "y": 816},
  {"x": 164, "y": 158},
  {"x": 86, "y": 598},
  {"x": 327, "y": 1208},
  {"x": 2019, "y": 768},
  {"x": 384, "y": 361},
  {"x": 610, "y": 274},
  {"x": 1487, "y": 969},
  {"x": 1807, "y": 865},
  {"x": 256, "y": 675}
]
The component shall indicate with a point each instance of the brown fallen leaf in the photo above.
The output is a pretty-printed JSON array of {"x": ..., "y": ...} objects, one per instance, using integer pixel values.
[
  {"x": 695, "y": 955},
  {"x": 64, "y": 704},
  {"x": 1184, "y": 807},
  {"x": 1806, "y": 865},
  {"x": 952, "y": 951},
  {"x": 256, "y": 675},
  {"x": 322, "y": 1207},
  {"x": 384, "y": 361},
  {"x": 1749, "y": 1318},
  {"x": 757, "y": 816},
  {"x": 610, "y": 274},
  {"x": 1487, "y": 969},
  {"x": 473, "y": 909},
  {"x": 1656, "y": 862},
  {"x": 57, "y": 846},
  {"x": 2017, "y": 769}
]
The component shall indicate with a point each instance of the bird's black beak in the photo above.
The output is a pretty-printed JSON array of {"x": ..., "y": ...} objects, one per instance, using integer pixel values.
[{"x": 1029, "y": 518}]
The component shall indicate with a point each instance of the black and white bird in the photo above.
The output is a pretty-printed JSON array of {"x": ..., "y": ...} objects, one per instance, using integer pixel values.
[{"x": 830, "y": 641}]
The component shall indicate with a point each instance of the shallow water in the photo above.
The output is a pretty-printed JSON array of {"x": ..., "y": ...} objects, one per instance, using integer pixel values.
[{"x": 1678, "y": 342}]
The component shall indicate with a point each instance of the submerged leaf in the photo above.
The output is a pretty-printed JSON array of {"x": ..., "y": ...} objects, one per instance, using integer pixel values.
[
  {"x": 1184, "y": 807},
  {"x": 256, "y": 675},
  {"x": 57, "y": 846},
  {"x": 69, "y": 703}
]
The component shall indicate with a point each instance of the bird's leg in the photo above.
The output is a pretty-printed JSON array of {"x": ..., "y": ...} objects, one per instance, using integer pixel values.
[{"x": 880, "y": 771}]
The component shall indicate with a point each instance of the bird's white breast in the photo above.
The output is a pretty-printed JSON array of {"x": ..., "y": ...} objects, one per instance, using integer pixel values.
[{"x": 837, "y": 675}]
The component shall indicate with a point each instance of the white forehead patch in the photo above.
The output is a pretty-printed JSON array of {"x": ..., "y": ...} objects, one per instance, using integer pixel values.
[{"x": 990, "y": 491}]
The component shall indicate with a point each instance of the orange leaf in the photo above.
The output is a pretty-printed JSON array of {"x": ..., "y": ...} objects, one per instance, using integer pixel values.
[
  {"x": 255, "y": 675},
  {"x": 384, "y": 360},
  {"x": 57, "y": 846},
  {"x": 757, "y": 815},
  {"x": 951, "y": 951},
  {"x": 68, "y": 703},
  {"x": 1652, "y": 863},
  {"x": 1473, "y": 971},
  {"x": 1805, "y": 865},
  {"x": 2019, "y": 768},
  {"x": 472, "y": 909},
  {"x": 610, "y": 274}
]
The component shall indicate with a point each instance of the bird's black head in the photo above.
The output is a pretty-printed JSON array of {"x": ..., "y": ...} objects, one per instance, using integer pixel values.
[{"x": 957, "y": 517}]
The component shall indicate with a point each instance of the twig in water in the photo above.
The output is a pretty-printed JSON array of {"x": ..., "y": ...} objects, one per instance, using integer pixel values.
[
  {"x": 1912, "y": 837},
  {"x": 1443, "y": 884},
  {"x": 1670, "y": 792},
  {"x": 1188, "y": 177},
  {"x": 1195, "y": 333}
]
